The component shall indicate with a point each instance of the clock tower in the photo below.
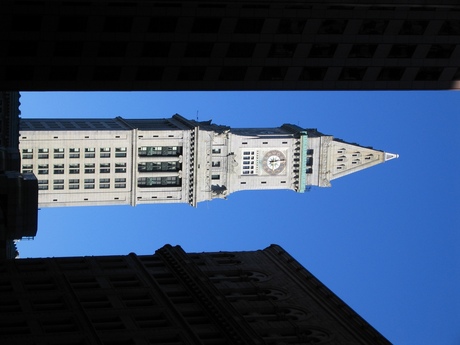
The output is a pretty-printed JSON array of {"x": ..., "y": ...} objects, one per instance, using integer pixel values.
[
  {"x": 88, "y": 162},
  {"x": 286, "y": 157}
]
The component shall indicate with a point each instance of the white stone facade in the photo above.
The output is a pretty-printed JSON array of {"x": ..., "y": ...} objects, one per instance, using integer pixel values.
[{"x": 88, "y": 162}]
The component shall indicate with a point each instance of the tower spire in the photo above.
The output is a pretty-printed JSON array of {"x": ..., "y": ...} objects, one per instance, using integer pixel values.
[
  {"x": 390, "y": 156},
  {"x": 338, "y": 158}
]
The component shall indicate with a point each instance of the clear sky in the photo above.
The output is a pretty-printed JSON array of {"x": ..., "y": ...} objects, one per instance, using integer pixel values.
[{"x": 385, "y": 240}]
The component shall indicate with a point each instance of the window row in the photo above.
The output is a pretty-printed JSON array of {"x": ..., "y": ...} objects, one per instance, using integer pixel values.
[
  {"x": 148, "y": 151},
  {"x": 239, "y": 49},
  {"x": 238, "y": 73},
  {"x": 104, "y": 183},
  {"x": 158, "y": 181},
  {"x": 367, "y": 50},
  {"x": 158, "y": 166},
  {"x": 212, "y": 25},
  {"x": 321, "y": 50},
  {"x": 358, "y": 73},
  {"x": 310, "y": 73},
  {"x": 89, "y": 168},
  {"x": 59, "y": 153}
]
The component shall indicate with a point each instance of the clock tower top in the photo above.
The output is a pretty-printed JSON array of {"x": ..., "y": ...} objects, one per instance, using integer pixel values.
[{"x": 285, "y": 157}]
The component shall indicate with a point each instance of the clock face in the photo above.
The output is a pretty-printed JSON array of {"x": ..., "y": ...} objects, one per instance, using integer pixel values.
[{"x": 274, "y": 162}]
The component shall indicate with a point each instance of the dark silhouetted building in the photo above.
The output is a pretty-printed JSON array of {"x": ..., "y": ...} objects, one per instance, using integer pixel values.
[
  {"x": 171, "y": 297},
  {"x": 229, "y": 45},
  {"x": 18, "y": 192}
]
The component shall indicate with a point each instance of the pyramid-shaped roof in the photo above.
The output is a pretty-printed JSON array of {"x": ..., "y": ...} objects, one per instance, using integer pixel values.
[{"x": 344, "y": 158}]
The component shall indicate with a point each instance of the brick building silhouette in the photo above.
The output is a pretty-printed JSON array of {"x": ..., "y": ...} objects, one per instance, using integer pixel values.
[
  {"x": 229, "y": 45},
  {"x": 173, "y": 297}
]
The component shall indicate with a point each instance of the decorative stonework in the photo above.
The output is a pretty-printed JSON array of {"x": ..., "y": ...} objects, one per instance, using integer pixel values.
[{"x": 324, "y": 170}]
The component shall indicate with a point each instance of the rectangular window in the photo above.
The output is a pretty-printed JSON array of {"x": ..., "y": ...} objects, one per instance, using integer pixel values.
[
  {"x": 216, "y": 151},
  {"x": 90, "y": 152},
  {"x": 89, "y": 180},
  {"x": 43, "y": 169},
  {"x": 120, "y": 152},
  {"x": 27, "y": 156},
  {"x": 120, "y": 180},
  {"x": 107, "y": 323},
  {"x": 216, "y": 164},
  {"x": 104, "y": 168},
  {"x": 95, "y": 302},
  {"x": 74, "y": 153},
  {"x": 60, "y": 325},
  {"x": 215, "y": 177},
  {"x": 89, "y": 168},
  {"x": 27, "y": 168},
  {"x": 43, "y": 184},
  {"x": 52, "y": 303},
  {"x": 58, "y": 169},
  {"x": 138, "y": 299},
  {"x": 59, "y": 153},
  {"x": 105, "y": 152},
  {"x": 74, "y": 168},
  {"x": 104, "y": 185},
  {"x": 84, "y": 283},
  {"x": 120, "y": 167},
  {"x": 120, "y": 185},
  {"x": 89, "y": 185},
  {"x": 74, "y": 186},
  {"x": 58, "y": 186},
  {"x": 43, "y": 153},
  {"x": 40, "y": 284}
]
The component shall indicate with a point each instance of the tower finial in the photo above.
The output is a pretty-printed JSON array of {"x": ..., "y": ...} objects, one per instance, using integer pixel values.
[{"x": 390, "y": 156}]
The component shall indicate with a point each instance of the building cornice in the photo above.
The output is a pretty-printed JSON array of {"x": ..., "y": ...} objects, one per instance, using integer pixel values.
[{"x": 331, "y": 303}]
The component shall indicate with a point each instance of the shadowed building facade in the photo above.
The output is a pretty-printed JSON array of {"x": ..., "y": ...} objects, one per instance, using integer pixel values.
[
  {"x": 18, "y": 192},
  {"x": 229, "y": 45},
  {"x": 172, "y": 297},
  {"x": 84, "y": 162}
]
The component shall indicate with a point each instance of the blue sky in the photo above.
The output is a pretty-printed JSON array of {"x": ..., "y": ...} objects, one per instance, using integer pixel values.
[{"x": 385, "y": 240}]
